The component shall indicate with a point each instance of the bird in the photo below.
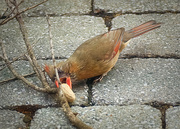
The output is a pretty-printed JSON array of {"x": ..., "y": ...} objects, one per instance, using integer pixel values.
[{"x": 97, "y": 56}]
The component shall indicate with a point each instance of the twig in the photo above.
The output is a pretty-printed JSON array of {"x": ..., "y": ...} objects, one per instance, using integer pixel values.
[
  {"x": 30, "y": 51},
  {"x": 15, "y": 78},
  {"x": 8, "y": 19},
  {"x": 52, "y": 50},
  {"x": 3, "y": 15},
  {"x": 10, "y": 67},
  {"x": 12, "y": 10}
]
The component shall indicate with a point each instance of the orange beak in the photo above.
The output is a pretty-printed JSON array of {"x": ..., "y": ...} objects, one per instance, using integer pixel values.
[{"x": 68, "y": 81}]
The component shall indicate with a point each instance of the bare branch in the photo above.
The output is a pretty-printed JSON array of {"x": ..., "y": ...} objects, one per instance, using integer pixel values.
[
  {"x": 30, "y": 51},
  {"x": 8, "y": 19},
  {"x": 5, "y": 58},
  {"x": 52, "y": 50},
  {"x": 15, "y": 78}
]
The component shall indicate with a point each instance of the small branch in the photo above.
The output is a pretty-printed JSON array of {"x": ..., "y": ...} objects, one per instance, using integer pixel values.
[
  {"x": 30, "y": 51},
  {"x": 15, "y": 78},
  {"x": 8, "y": 19},
  {"x": 30, "y": 61},
  {"x": 3, "y": 15},
  {"x": 52, "y": 50},
  {"x": 10, "y": 67}
]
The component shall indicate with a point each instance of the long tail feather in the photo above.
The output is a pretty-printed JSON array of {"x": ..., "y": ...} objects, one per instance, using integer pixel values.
[{"x": 141, "y": 29}]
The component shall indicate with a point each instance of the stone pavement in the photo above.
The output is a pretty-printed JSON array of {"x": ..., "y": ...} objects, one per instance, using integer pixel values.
[{"x": 141, "y": 91}]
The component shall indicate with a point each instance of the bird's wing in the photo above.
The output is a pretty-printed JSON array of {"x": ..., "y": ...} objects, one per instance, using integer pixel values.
[{"x": 101, "y": 47}]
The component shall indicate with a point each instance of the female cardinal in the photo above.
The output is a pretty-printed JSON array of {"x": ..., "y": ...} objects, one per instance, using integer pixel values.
[{"x": 98, "y": 55}]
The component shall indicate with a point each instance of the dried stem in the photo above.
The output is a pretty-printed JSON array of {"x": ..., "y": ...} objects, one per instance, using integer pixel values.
[
  {"x": 15, "y": 78},
  {"x": 29, "y": 49},
  {"x": 52, "y": 50},
  {"x": 10, "y": 67}
]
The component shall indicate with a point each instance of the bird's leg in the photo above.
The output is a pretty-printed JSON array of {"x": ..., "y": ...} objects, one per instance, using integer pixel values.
[{"x": 99, "y": 78}]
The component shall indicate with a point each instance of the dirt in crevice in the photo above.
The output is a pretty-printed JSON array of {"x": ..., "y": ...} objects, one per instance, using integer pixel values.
[
  {"x": 28, "y": 110},
  {"x": 109, "y": 16},
  {"x": 162, "y": 107}
]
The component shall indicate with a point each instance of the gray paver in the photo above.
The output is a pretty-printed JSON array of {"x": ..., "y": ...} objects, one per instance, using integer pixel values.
[
  {"x": 68, "y": 33},
  {"x": 55, "y": 7},
  {"x": 132, "y": 81},
  {"x": 173, "y": 118},
  {"x": 50, "y": 118},
  {"x": 11, "y": 120},
  {"x": 163, "y": 41},
  {"x": 136, "y": 6},
  {"x": 139, "y": 81},
  {"x": 101, "y": 117}
]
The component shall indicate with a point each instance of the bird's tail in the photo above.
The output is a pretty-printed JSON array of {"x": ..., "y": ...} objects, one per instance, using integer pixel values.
[{"x": 141, "y": 29}]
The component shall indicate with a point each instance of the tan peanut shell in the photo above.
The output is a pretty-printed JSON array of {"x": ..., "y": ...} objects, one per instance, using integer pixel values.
[{"x": 69, "y": 94}]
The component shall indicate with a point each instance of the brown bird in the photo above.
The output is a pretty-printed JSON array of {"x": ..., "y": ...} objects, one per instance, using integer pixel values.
[{"x": 97, "y": 56}]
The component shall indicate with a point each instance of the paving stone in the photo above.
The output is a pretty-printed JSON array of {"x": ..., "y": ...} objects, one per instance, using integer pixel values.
[
  {"x": 11, "y": 120},
  {"x": 50, "y": 118},
  {"x": 137, "y": 6},
  {"x": 16, "y": 93},
  {"x": 139, "y": 81},
  {"x": 55, "y": 7},
  {"x": 163, "y": 41},
  {"x": 173, "y": 118},
  {"x": 68, "y": 33},
  {"x": 101, "y": 117}
]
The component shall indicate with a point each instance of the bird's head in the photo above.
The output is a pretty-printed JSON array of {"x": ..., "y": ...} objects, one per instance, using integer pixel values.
[{"x": 63, "y": 77}]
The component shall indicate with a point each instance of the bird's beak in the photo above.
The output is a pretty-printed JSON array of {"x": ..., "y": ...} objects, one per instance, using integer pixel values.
[{"x": 66, "y": 80}]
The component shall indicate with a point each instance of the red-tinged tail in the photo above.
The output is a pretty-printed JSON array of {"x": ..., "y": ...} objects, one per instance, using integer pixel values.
[{"x": 141, "y": 29}]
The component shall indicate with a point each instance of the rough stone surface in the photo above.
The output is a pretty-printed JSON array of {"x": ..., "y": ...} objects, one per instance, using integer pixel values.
[
  {"x": 68, "y": 33},
  {"x": 101, "y": 117},
  {"x": 136, "y": 6},
  {"x": 139, "y": 81},
  {"x": 11, "y": 120},
  {"x": 163, "y": 41},
  {"x": 55, "y": 7},
  {"x": 173, "y": 118},
  {"x": 133, "y": 81},
  {"x": 50, "y": 118}
]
